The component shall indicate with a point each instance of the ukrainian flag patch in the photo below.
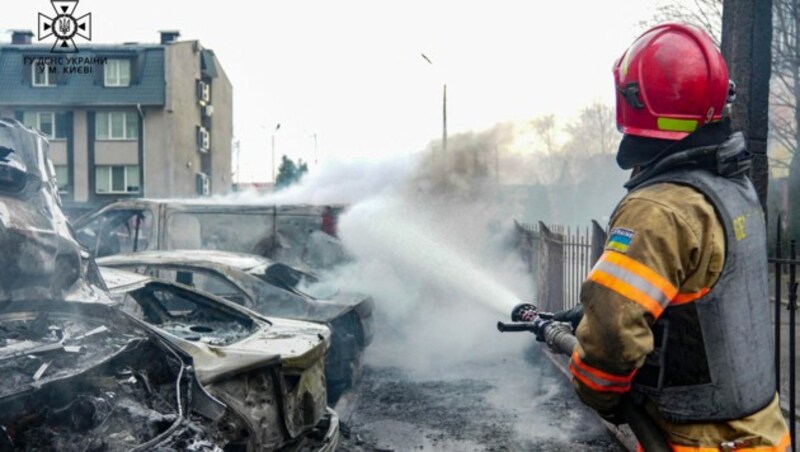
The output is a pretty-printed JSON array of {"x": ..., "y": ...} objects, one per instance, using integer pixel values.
[{"x": 619, "y": 240}]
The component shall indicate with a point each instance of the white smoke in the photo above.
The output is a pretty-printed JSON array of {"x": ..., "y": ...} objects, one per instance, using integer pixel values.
[
  {"x": 440, "y": 270},
  {"x": 440, "y": 279},
  {"x": 341, "y": 182}
]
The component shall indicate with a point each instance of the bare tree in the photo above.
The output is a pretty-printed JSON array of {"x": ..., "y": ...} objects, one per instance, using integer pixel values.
[
  {"x": 594, "y": 132},
  {"x": 706, "y": 14},
  {"x": 545, "y": 128},
  {"x": 785, "y": 96},
  {"x": 785, "y": 90}
]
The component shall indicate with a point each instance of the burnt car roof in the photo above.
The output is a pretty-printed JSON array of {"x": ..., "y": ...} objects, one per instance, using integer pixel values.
[{"x": 202, "y": 258}]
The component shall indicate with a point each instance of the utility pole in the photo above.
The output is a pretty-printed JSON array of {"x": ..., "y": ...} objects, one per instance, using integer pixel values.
[
  {"x": 747, "y": 48},
  {"x": 496, "y": 165},
  {"x": 238, "y": 145},
  {"x": 444, "y": 121},
  {"x": 277, "y": 127},
  {"x": 444, "y": 114},
  {"x": 316, "y": 160}
]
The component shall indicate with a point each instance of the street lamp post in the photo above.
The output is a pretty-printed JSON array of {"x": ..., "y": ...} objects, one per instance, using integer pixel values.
[
  {"x": 444, "y": 118},
  {"x": 316, "y": 160},
  {"x": 277, "y": 127},
  {"x": 238, "y": 145},
  {"x": 444, "y": 109}
]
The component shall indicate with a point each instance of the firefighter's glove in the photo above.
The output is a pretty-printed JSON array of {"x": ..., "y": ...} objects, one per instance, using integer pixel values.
[{"x": 572, "y": 316}]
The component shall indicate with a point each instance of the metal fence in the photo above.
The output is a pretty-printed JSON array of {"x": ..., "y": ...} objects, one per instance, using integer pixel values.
[
  {"x": 559, "y": 258},
  {"x": 786, "y": 267}
]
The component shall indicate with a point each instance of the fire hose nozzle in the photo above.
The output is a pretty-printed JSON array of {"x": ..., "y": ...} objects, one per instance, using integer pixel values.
[
  {"x": 515, "y": 327},
  {"x": 524, "y": 312}
]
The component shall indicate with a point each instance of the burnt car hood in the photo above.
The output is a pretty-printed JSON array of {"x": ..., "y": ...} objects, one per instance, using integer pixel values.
[{"x": 291, "y": 343}]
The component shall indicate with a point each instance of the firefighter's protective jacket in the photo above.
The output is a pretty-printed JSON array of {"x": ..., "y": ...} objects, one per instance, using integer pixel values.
[{"x": 655, "y": 325}]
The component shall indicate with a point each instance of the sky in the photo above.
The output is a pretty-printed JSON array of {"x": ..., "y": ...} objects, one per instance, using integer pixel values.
[{"x": 349, "y": 74}]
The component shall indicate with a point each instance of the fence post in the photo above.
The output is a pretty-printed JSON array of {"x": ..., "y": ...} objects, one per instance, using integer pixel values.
[
  {"x": 792, "y": 311},
  {"x": 550, "y": 287},
  {"x": 778, "y": 280}
]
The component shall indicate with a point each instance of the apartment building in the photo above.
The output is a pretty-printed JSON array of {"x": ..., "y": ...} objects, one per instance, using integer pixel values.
[{"x": 124, "y": 120}]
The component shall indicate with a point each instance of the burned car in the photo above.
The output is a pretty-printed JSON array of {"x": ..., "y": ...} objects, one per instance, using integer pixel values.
[
  {"x": 84, "y": 376},
  {"x": 272, "y": 289},
  {"x": 300, "y": 235},
  {"x": 75, "y": 376},
  {"x": 268, "y": 372},
  {"x": 40, "y": 258}
]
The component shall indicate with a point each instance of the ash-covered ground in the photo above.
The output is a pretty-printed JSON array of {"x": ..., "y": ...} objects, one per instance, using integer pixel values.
[{"x": 509, "y": 402}]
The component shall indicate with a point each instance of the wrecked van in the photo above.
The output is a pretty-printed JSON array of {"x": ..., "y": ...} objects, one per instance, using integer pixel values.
[{"x": 299, "y": 235}]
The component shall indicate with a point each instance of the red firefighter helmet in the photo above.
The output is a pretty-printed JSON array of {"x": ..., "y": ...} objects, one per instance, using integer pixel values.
[{"x": 669, "y": 82}]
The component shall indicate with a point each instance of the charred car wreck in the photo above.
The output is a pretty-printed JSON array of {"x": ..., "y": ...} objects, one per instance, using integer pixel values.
[
  {"x": 271, "y": 289},
  {"x": 268, "y": 372},
  {"x": 79, "y": 371},
  {"x": 84, "y": 377}
]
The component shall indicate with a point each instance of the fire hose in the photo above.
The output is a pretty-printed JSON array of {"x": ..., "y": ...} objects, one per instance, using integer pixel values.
[{"x": 560, "y": 339}]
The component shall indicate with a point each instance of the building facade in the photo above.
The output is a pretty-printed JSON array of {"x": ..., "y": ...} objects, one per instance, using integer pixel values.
[{"x": 128, "y": 120}]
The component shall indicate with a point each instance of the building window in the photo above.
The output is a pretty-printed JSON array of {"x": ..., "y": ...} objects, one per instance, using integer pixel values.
[
  {"x": 117, "y": 179},
  {"x": 118, "y": 72},
  {"x": 62, "y": 178},
  {"x": 116, "y": 125},
  {"x": 204, "y": 92},
  {"x": 203, "y": 139},
  {"x": 51, "y": 125},
  {"x": 41, "y": 76}
]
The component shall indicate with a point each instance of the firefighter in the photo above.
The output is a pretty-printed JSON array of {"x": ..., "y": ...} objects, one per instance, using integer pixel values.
[{"x": 676, "y": 312}]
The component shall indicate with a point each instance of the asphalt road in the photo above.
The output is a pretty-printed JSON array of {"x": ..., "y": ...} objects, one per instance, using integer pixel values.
[{"x": 508, "y": 402}]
